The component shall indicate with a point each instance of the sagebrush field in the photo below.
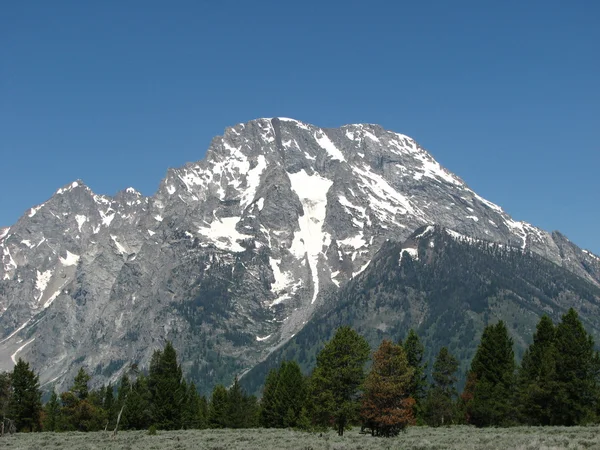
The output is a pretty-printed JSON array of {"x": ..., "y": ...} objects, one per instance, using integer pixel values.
[{"x": 416, "y": 438}]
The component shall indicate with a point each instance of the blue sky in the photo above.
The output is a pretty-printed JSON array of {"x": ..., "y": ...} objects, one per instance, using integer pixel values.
[{"x": 505, "y": 94}]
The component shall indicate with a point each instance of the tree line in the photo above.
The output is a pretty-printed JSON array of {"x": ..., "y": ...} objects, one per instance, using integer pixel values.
[{"x": 557, "y": 383}]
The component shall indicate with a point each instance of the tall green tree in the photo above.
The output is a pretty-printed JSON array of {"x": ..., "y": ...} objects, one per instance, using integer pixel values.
[
  {"x": 493, "y": 369},
  {"x": 440, "y": 405},
  {"x": 192, "y": 413},
  {"x": 52, "y": 412},
  {"x": 336, "y": 379},
  {"x": 167, "y": 390},
  {"x": 218, "y": 407},
  {"x": 25, "y": 403},
  {"x": 537, "y": 383},
  {"x": 418, "y": 384},
  {"x": 5, "y": 393},
  {"x": 387, "y": 407},
  {"x": 576, "y": 373},
  {"x": 81, "y": 411},
  {"x": 80, "y": 384},
  {"x": 137, "y": 414},
  {"x": 284, "y": 396}
]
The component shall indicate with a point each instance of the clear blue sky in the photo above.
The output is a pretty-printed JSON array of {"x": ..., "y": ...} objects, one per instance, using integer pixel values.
[{"x": 505, "y": 94}]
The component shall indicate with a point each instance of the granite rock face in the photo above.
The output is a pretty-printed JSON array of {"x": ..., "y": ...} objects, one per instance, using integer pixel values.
[{"x": 233, "y": 254}]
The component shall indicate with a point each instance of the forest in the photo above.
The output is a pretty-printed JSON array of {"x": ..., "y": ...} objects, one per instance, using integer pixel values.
[{"x": 382, "y": 392}]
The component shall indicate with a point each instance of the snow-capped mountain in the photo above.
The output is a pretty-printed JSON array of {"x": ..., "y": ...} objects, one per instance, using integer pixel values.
[{"x": 232, "y": 255}]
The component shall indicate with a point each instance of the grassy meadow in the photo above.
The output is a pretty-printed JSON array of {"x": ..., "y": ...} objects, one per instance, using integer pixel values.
[{"x": 416, "y": 438}]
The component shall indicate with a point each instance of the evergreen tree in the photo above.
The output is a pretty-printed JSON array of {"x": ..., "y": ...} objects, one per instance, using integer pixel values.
[
  {"x": 80, "y": 385},
  {"x": 52, "y": 413},
  {"x": 439, "y": 406},
  {"x": 387, "y": 407},
  {"x": 334, "y": 383},
  {"x": 5, "y": 393},
  {"x": 576, "y": 372},
  {"x": 283, "y": 396},
  {"x": 165, "y": 382},
  {"x": 493, "y": 368},
  {"x": 25, "y": 403},
  {"x": 537, "y": 377},
  {"x": 81, "y": 410},
  {"x": 192, "y": 412},
  {"x": 217, "y": 411},
  {"x": 418, "y": 385},
  {"x": 122, "y": 394},
  {"x": 109, "y": 405},
  {"x": 137, "y": 414}
]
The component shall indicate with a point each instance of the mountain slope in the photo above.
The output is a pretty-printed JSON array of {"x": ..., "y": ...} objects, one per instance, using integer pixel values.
[
  {"x": 233, "y": 254},
  {"x": 447, "y": 287}
]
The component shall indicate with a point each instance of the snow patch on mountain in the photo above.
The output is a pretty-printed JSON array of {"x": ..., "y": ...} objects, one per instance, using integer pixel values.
[
  {"x": 223, "y": 234},
  {"x": 70, "y": 260},
  {"x": 253, "y": 181},
  {"x": 42, "y": 280},
  {"x": 383, "y": 198},
  {"x": 34, "y": 210},
  {"x": 309, "y": 241},
  {"x": 282, "y": 279},
  {"x": 326, "y": 144},
  {"x": 81, "y": 219}
]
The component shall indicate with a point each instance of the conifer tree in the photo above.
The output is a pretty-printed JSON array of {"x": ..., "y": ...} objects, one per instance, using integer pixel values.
[
  {"x": 52, "y": 413},
  {"x": 217, "y": 410},
  {"x": 25, "y": 403},
  {"x": 439, "y": 406},
  {"x": 334, "y": 383},
  {"x": 5, "y": 393},
  {"x": 576, "y": 371},
  {"x": 80, "y": 385},
  {"x": 166, "y": 389},
  {"x": 493, "y": 368},
  {"x": 283, "y": 396},
  {"x": 137, "y": 414},
  {"x": 236, "y": 413},
  {"x": 192, "y": 413},
  {"x": 387, "y": 407},
  {"x": 537, "y": 377},
  {"x": 418, "y": 385}
]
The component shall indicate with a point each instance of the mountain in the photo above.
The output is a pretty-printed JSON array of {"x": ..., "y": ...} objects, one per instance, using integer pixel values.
[
  {"x": 234, "y": 254},
  {"x": 447, "y": 287}
]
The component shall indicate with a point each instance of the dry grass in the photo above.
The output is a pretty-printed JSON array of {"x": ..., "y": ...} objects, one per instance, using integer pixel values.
[{"x": 416, "y": 438}]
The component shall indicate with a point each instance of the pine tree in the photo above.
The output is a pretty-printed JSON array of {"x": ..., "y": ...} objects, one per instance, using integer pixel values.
[
  {"x": 439, "y": 408},
  {"x": 5, "y": 393},
  {"x": 387, "y": 407},
  {"x": 137, "y": 414},
  {"x": 284, "y": 396},
  {"x": 108, "y": 403},
  {"x": 418, "y": 385},
  {"x": 165, "y": 382},
  {"x": 25, "y": 404},
  {"x": 537, "y": 377},
  {"x": 192, "y": 412},
  {"x": 236, "y": 414},
  {"x": 334, "y": 383},
  {"x": 217, "y": 410},
  {"x": 493, "y": 368},
  {"x": 80, "y": 385},
  {"x": 52, "y": 413},
  {"x": 576, "y": 370},
  {"x": 81, "y": 410}
]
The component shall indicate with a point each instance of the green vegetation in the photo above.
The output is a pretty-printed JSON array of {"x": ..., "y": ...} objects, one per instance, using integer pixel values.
[
  {"x": 558, "y": 383},
  {"x": 415, "y": 438}
]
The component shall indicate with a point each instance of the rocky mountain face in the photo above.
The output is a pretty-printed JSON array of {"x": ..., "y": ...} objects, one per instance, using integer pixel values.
[
  {"x": 234, "y": 254},
  {"x": 447, "y": 287}
]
